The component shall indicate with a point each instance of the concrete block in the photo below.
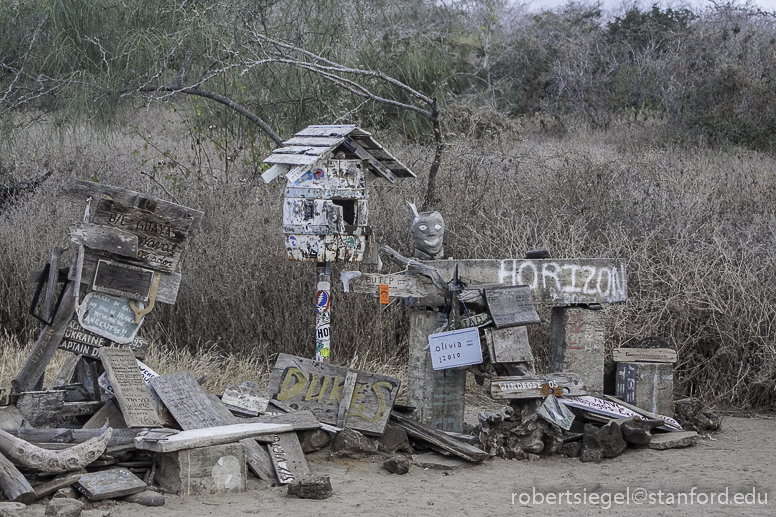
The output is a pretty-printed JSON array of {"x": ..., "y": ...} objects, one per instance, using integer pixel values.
[
  {"x": 577, "y": 345},
  {"x": 205, "y": 470},
  {"x": 649, "y": 386}
]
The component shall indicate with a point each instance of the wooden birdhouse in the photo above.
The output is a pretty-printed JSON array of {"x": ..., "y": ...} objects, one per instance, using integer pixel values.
[{"x": 328, "y": 171}]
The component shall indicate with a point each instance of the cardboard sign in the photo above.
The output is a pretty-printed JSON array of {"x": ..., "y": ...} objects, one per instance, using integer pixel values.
[
  {"x": 80, "y": 341},
  {"x": 455, "y": 348},
  {"x": 109, "y": 317},
  {"x": 555, "y": 412},
  {"x": 317, "y": 386}
]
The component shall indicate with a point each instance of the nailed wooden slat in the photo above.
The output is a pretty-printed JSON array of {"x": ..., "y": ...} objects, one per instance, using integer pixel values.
[
  {"x": 511, "y": 306},
  {"x": 649, "y": 355},
  {"x": 287, "y": 458},
  {"x": 509, "y": 345},
  {"x": 14, "y": 485},
  {"x": 291, "y": 159},
  {"x": 375, "y": 165},
  {"x": 537, "y": 386},
  {"x": 334, "y": 130},
  {"x": 82, "y": 342},
  {"x": 105, "y": 238},
  {"x": 439, "y": 439},
  {"x": 300, "y": 420},
  {"x": 273, "y": 172},
  {"x": 307, "y": 150},
  {"x": 245, "y": 400},
  {"x": 321, "y": 141},
  {"x": 399, "y": 285}
]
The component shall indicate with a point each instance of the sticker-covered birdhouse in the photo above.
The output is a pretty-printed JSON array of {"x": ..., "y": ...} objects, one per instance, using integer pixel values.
[{"x": 328, "y": 171}]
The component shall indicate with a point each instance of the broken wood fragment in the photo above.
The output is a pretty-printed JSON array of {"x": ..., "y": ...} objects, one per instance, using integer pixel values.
[
  {"x": 439, "y": 439},
  {"x": 28, "y": 455},
  {"x": 208, "y": 436},
  {"x": 13, "y": 484}
]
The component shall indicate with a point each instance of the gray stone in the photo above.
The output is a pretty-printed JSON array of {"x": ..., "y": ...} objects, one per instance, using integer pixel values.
[
  {"x": 571, "y": 449},
  {"x": 591, "y": 444},
  {"x": 313, "y": 440},
  {"x": 397, "y": 465},
  {"x": 68, "y": 492},
  {"x": 64, "y": 507},
  {"x": 147, "y": 498},
  {"x": 436, "y": 461},
  {"x": 9, "y": 509},
  {"x": 611, "y": 440},
  {"x": 349, "y": 443},
  {"x": 312, "y": 487},
  {"x": 690, "y": 414},
  {"x": 394, "y": 439},
  {"x": 636, "y": 431},
  {"x": 673, "y": 440}
]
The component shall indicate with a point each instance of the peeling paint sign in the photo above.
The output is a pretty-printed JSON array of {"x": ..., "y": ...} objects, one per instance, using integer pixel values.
[{"x": 109, "y": 317}]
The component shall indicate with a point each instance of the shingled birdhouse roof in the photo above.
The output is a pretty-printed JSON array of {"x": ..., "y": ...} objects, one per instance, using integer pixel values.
[{"x": 318, "y": 143}]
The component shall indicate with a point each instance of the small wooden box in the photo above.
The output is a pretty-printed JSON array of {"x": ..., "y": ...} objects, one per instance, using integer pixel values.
[{"x": 216, "y": 469}]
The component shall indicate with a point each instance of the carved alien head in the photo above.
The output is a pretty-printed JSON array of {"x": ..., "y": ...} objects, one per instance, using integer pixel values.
[{"x": 428, "y": 231}]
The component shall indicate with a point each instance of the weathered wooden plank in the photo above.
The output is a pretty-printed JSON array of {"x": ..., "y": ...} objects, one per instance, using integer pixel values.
[
  {"x": 245, "y": 400},
  {"x": 511, "y": 306},
  {"x": 307, "y": 150},
  {"x": 61, "y": 481},
  {"x": 209, "y": 436},
  {"x": 439, "y": 439},
  {"x": 41, "y": 408},
  {"x": 320, "y": 141},
  {"x": 474, "y": 320},
  {"x": 438, "y": 395},
  {"x": 11, "y": 418},
  {"x": 83, "y": 408},
  {"x": 648, "y": 355},
  {"x": 48, "y": 305},
  {"x": 287, "y": 458},
  {"x": 399, "y": 285},
  {"x": 273, "y": 172},
  {"x": 186, "y": 401},
  {"x": 341, "y": 130},
  {"x": 375, "y": 149},
  {"x": 14, "y": 485},
  {"x": 73, "y": 436},
  {"x": 552, "y": 281},
  {"x": 293, "y": 159},
  {"x": 109, "y": 415},
  {"x": 109, "y": 484},
  {"x": 537, "y": 386},
  {"x": 105, "y": 238},
  {"x": 46, "y": 345},
  {"x": 306, "y": 384},
  {"x": 509, "y": 345},
  {"x": 160, "y": 240},
  {"x": 84, "y": 343},
  {"x": 79, "y": 191},
  {"x": 169, "y": 283},
  {"x": 299, "y": 420},
  {"x": 376, "y": 165},
  {"x": 130, "y": 390}
]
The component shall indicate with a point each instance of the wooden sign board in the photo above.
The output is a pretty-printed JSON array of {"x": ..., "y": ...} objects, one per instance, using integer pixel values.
[
  {"x": 109, "y": 317},
  {"x": 455, "y": 348},
  {"x": 552, "y": 281},
  {"x": 109, "y": 484},
  {"x": 511, "y": 306},
  {"x": 130, "y": 390},
  {"x": 123, "y": 280},
  {"x": 399, "y": 285},
  {"x": 475, "y": 320},
  {"x": 644, "y": 355},
  {"x": 80, "y": 341},
  {"x": 509, "y": 345},
  {"x": 615, "y": 410},
  {"x": 160, "y": 239},
  {"x": 104, "y": 238},
  {"x": 537, "y": 386},
  {"x": 305, "y": 384},
  {"x": 245, "y": 400},
  {"x": 555, "y": 412},
  {"x": 187, "y": 401},
  {"x": 287, "y": 458}
]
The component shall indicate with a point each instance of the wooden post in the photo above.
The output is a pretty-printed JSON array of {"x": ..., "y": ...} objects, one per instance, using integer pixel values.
[
  {"x": 577, "y": 345},
  {"x": 14, "y": 485},
  {"x": 438, "y": 395},
  {"x": 323, "y": 314}
]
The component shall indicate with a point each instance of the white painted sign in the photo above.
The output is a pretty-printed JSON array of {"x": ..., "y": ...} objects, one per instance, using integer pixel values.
[
  {"x": 612, "y": 409},
  {"x": 108, "y": 316},
  {"x": 455, "y": 348},
  {"x": 555, "y": 412}
]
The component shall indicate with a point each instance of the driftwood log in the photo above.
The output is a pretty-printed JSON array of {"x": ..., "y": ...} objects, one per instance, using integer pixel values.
[
  {"x": 413, "y": 266},
  {"x": 31, "y": 456},
  {"x": 14, "y": 484}
]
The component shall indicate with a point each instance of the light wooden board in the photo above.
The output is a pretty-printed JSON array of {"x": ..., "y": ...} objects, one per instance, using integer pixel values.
[
  {"x": 109, "y": 415},
  {"x": 74, "y": 436},
  {"x": 41, "y": 408},
  {"x": 130, "y": 390},
  {"x": 511, "y": 306},
  {"x": 105, "y": 238},
  {"x": 509, "y": 345},
  {"x": 109, "y": 484},
  {"x": 646, "y": 355},
  {"x": 306, "y": 384},
  {"x": 299, "y": 420},
  {"x": 537, "y": 386},
  {"x": 245, "y": 400},
  {"x": 552, "y": 281},
  {"x": 186, "y": 401},
  {"x": 287, "y": 458},
  {"x": 80, "y": 341},
  {"x": 439, "y": 439},
  {"x": 209, "y": 436},
  {"x": 399, "y": 285}
]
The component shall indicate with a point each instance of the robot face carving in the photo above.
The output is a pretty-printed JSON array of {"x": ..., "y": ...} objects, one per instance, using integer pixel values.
[{"x": 428, "y": 231}]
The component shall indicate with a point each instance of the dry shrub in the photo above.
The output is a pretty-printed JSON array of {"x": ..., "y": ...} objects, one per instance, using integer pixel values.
[{"x": 696, "y": 226}]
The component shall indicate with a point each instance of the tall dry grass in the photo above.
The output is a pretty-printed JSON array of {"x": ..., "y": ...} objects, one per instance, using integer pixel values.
[{"x": 696, "y": 226}]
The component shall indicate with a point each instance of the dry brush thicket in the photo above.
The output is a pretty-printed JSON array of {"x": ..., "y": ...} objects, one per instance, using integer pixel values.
[{"x": 697, "y": 227}]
